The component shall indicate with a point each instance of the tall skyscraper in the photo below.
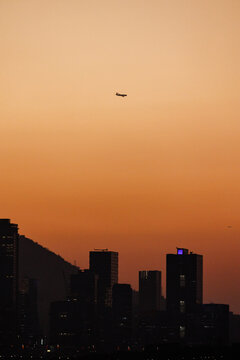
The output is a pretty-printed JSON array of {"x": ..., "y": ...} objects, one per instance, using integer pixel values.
[
  {"x": 184, "y": 294},
  {"x": 32, "y": 274},
  {"x": 184, "y": 281},
  {"x": 8, "y": 278},
  {"x": 104, "y": 263},
  {"x": 149, "y": 291},
  {"x": 122, "y": 315}
]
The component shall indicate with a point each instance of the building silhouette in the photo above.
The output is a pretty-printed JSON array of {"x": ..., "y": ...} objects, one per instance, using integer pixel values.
[
  {"x": 31, "y": 277},
  {"x": 28, "y": 312},
  {"x": 104, "y": 263},
  {"x": 87, "y": 310},
  {"x": 83, "y": 286},
  {"x": 122, "y": 315},
  {"x": 215, "y": 324},
  {"x": 184, "y": 294},
  {"x": 74, "y": 321},
  {"x": 234, "y": 328},
  {"x": 184, "y": 281},
  {"x": 9, "y": 277},
  {"x": 152, "y": 322},
  {"x": 150, "y": 288}
]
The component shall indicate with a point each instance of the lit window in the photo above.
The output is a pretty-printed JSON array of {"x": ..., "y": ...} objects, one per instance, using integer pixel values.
[
  {"x": 182, "y": 280},
  {"x": 182, "y": 331},
  {"x": 182, "y": 306},
  {"x": 63, "y": 315}
]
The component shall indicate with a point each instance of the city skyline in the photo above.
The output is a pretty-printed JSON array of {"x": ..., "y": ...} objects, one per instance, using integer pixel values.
[
  {"x": 45, "y": 300},
  {"x": 83, "y": 169},
  {"x": 99, "y": 264}
]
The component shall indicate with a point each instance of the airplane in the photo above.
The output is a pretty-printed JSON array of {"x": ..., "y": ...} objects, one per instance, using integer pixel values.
[{"x": 118, "y": 94}]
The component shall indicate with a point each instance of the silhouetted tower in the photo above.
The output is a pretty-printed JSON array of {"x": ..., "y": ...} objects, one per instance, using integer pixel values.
[
  {"x": 149, "y": 291},
  {"x": 8, "y": 278},
  {"x": 73, "y": 322},
  {"x": 84, "y": 286},
  {"x": 104, "y": 263},
  {"x": 122, "y": 315},
  {"x": 28, "y": 311},
  {"x": 184, "y": 281}
]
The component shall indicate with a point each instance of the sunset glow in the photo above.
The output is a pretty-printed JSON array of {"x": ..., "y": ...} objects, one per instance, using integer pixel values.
[{"x": 82, "y": 168}]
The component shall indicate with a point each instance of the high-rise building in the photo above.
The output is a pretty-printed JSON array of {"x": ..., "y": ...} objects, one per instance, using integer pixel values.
[
  {"x": 184, "y": 294},
  {"x": 83, "y": 286},
  {"x": 74, "y": 321},
  {"x": 184, "y": 281},
  {"x": 8, "y": 278},
  {"x": 28, "y": 312},
  {"x": 104, "y": 263},
  {"x": 122, "y": 315},
  {"x": 149, "y": 291}
]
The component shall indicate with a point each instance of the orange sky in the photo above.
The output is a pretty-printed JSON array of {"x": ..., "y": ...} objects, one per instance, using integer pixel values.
[{"x": 83, "y": 169}]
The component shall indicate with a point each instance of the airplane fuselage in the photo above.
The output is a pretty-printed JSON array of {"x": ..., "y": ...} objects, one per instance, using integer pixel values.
[{"x": 118, "y": 94}]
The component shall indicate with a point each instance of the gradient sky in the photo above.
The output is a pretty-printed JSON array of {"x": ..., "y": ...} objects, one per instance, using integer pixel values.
[{"x": 83, "y": 169}]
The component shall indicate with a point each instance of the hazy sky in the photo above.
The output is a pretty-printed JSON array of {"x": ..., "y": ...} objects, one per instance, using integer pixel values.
[{"x": 83, "y": 169}]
